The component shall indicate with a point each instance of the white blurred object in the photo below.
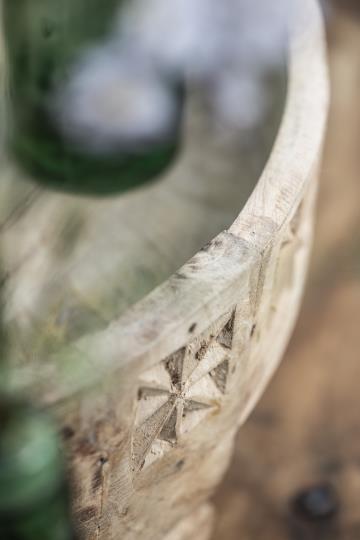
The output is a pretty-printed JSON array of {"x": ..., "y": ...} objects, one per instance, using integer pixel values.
[
  {"x": 113, "y": 101},
  {"x": 199, "y": 35},
  {"x": 118, "y": 96},
  {"x": 229, "y": 44}
]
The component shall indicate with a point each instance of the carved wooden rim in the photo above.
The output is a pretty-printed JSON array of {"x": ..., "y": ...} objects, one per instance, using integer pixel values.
[{"x": 166, "y": 319}]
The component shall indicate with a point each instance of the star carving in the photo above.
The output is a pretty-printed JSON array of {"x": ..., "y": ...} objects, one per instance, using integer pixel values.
[{"x": 179, "y": 393}]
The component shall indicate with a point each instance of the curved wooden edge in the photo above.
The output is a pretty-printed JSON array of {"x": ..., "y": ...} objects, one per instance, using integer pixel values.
[
  {"x": 213, "y": 280},
  {"x": 297, "y": 148}
]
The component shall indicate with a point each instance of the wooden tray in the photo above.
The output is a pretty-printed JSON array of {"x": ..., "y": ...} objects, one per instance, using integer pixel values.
[{"x": 151, "y": 363}]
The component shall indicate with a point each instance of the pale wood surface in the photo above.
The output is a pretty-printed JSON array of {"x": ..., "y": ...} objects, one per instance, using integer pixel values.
[{"x": 150, "y": 402}]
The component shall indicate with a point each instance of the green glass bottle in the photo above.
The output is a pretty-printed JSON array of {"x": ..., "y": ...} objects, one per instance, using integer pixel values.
[
  {"x": 34, "y": 500},
  {"x": 77, "y": 96}
]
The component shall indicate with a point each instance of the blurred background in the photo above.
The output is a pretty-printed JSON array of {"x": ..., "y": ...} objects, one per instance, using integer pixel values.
[{"x": 296, "y": 470}]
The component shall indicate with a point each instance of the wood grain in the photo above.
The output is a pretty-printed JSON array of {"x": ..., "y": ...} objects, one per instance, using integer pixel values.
[
  {"x": 151, "y": 396},
  {"x": 304, "y": 431}
]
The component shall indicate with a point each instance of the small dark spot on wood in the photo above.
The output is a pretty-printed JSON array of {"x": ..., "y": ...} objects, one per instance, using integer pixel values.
[
  {"x": 253, "y": 328},
  {"x": 67, "y": 432},
  {"x": 206, "y": 247},
  {"x": 192, "y": 328},
  {"x": 193, "y": 265},
  {"x": 103, "y": 460},
  {"x": 217, "y": 242},
  {"x": 88, "y": 513},
  {"x": 181, "y": 275},
  {"x": 180, "y": 464}
]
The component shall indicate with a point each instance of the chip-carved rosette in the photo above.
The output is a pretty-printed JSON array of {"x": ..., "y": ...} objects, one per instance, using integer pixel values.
[{"x": 180, "y": 392}]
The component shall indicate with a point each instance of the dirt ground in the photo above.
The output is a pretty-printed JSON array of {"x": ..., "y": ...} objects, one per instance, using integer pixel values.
[{"x": 305, "y": 433}]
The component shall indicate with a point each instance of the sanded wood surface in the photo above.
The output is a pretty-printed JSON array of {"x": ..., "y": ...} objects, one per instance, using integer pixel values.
[
  {"x": 150, "y": 399},
  {"x": 305, "y": 431}
]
